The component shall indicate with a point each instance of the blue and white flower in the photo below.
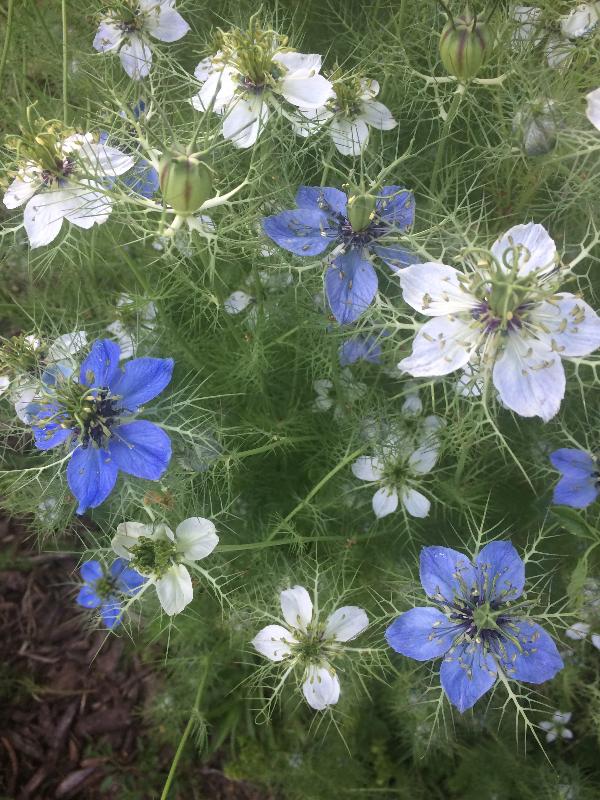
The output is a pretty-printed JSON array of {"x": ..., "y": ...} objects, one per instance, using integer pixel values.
[
  {"x": 94, "y": 415},
  {"x": 311, "y": 645},
  {"x": 128, "y": 32},
  {"x": 164, "y": 557},
  {"x": 579, "y": 485},
  {"x": 504, "y": 318},
  {"x": 104, "y": 590},
  {"x": 324, "y": 219},
  {"x": 556, "y": 728},
  {"x": 477, "y": 623}
]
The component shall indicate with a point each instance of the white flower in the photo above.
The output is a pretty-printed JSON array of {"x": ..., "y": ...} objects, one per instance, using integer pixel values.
[
  {"x": 311, "y": 644},
  {"x": 237, "y": 302},
  {"x": 527, "y": 27},
  {"x": 349, "y": 114},
  {"x": 125, "y": 332},
  {"x": 505, "y": 318},
  {"x": 73, "y": 190},
  {"x": 245, "y": 89},
  {"x": 163, "y": 556},
  {"x": 128, "y": 33},
  {"x": 536, "y": 126},
  {"x": 578, "y": 631},
  {"x": 398, "y": 467},
  {"x": 593, "y": 108},
  {"x": 578, "y": 23},
  {"x": 351, "y": 391},
  {"x": 556, "y": 727}
]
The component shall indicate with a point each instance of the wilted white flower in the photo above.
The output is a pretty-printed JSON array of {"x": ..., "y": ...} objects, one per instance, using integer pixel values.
[
  {"x": 536, "y": 127},
  {"x": 310, "y": 644},
  {"x": 556, "y": 727}
]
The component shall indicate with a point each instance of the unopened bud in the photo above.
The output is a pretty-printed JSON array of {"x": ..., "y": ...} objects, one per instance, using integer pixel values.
[
  {"x": 464, "y": 45},
  {"x": 185, "y": 182}
]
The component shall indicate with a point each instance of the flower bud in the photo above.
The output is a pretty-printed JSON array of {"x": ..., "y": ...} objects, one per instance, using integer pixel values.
[
  {"x": 360, "y": 210},
  {"x": 464, "y": 43},
  {"x": 185, "y": 182}
]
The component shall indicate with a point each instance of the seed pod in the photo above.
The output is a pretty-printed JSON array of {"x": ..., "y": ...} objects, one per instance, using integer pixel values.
[
  {"x": 185, "y": 182},
  {"x": 464, "y": 45},
  {"x": 360, "y": 210}
]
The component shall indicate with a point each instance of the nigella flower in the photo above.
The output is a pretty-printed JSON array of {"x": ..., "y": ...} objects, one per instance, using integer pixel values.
[
  {"x": 401, "y": 464},
  {"x": 593, "y": 108},
  {"x": 63, "y": 178},
  {"x": 165, "y": 557},
  {"x": 579, "y": 631},
  {"x": 476, "y": 623},
  {"x": 358, "y": 226},
  {"x": 128, "y": 30},
  {"x": 504, "y": 318},
  {"x": 132, "y": 321},
  {"x": 104, "y": 591},
  {"x": 579, "y": 23},
  {"x": 311, "y": 645},
  {"x": 349, "y": 114},
  {"x": 94, "y": 416},
  {"x": 556, "y": 728},
  {"x": 249, "y": 77},
  {"x": 580, "y": 482},
  {"x": 360, "y": 348}
]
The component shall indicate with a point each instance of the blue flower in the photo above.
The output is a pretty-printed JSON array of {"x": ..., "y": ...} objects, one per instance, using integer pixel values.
[
  {"x": 475, "y": 624},
  {"x": 95, "y": 417},
  {"x": 360, "y": 348},
  {"x": 322, "y": 220},
  {"x": 103, "y": 590},
  {"x": 580, "y": 482}
]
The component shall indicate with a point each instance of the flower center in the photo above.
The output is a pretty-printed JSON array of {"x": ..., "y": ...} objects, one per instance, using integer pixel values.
[
  {"x": 96, "y": 416},
  {"x": 153, "y": 556},
  {"x": 348, "y": 95},
  {"x": 251, "y": 54}
]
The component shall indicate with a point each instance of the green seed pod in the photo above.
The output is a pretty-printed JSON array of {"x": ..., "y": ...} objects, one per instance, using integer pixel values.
[
  {"x": 185, "y": 182},
  {"x": 464, "y": 46},
  {"x": 360, "y": 210}
]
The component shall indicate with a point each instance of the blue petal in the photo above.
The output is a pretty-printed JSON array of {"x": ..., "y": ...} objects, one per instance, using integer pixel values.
[
  {"x": 51, "y": 435},
  {"x": 101, "y": 367},
  {"x": 128, "y": 580},
  {"x": 111, "y": 612},
  {"x": 141, "y": 448},
  {"x": 534, "y": 659},
  {"x": 421, "y": 633},
  {"x": 501, "y": 572},
  {"x": 350, "y": 285},
  {"x": 575, "y": 492},
  {"x": 446, "y": 572},
  {"x": 303, "y": 232},
  {"x": 91, "y": 571},
  {"x": 91, "y": 475},
  {"x": 574, "y": 463},
  {"x": 141, "y": 380},
  {"x": 396, "y": 257},
  {"x": 322, "y": 198},
  {"x": 397, "y": 207},
  {"x": 364, "y": 348},
  {"x": 466, "y": 674},
  {"x": 88, "y": 598},
  {"x": 142, "y": 179},
  {"x": 139, "y": 109},
  {"x": 103, "y": 137}
]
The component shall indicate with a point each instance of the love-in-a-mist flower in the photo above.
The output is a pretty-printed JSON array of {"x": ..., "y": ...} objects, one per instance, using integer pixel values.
[
  {"x": 127, "y": 30},
  {"x": 251, "y": 75},
  {"x": 399, "y": 467},
  {"x": 593, "y": 108},
  {"x": 93, "y": 415},
  {"x": 133, "y": 321},
  {"x": 62, "y": 176},
  {"x": 309, "y": 646},
  {"x": 349, "y": 114},
  {"x": 165, "y": 558},
  {"x": 104, "y": 590},
  {"x": 579, "y": 485},
  {"x": 477, "y": 623},
  {"x": 579, "y": 23},
  {"x": 358, "y": 226},
  {"x": 505, "y": 318},
  {"x": 556, "y": 728},
  {"x": 580, "y": 630}
]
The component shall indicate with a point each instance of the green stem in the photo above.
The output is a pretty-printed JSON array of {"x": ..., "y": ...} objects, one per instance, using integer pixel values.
[
  {"x": 441, "y": 151},
  {"x": 64, "y": 63},
  {"x": 296, "y": 540},
  {"x": 7, "y": 35}
]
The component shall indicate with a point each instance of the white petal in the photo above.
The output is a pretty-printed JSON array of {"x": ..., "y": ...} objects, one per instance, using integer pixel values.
[
  {"x": 218, "y": 91},
  {"x": 204, "y": 69},
  {"x": 22, "y": 397},
  {"x": 559, "y": 52},
  {"x": 377, "y": 115},
  {"x": 43, "y": 216},
  {"x": 528, "y": 24},
  {"x": 435, "y": 289},
  {"x": 349, "y": 137},
  {"x": 529, "y": 378},
  {"x": 237, "y": 302},
  {"x": 127, "y": 536},
  {"x": 370, "y": 89},
  {"x": 546, "y": 725},
  {"x": 165, "y": 24},
  {"x": 570, "y": 325},
  {"x": 174, "y": 589},
  {"x": 196, "y": 537},
  {"x": 578, "y": 631},
  {"x": 593, "y": 108},
  {"x": 414, "y": 502},
  {"x": 536, "y": 251},
  {"x": 124, "y": 339},
  {"x": 366, "y": 468},
  {"x": 87, "y": 207},
  {"x": 441, "y": 346},
  {"x": 136, "y": 57},
  {"x": 67, "y": 345},
  {"x": 4, "y": 383},
  {"x": 102, "y": 160},
  {"x": 424, "y": 458},
  {"x": 323, "y": 386},
  {"x": 385, "y": 501},
  {"x": 321, "y": 687},
  {"x": 306, "y": 92},
  {"x": 23, "y": 187},
  {"x": 108, "y": 36},
  {"x": 596, "y": 640},
  {"x": 551, "y": 736},
  {"x": 581, "y": 21},
  {"x": 274, "y": 642},
  {"x": 562, "y": 717},
  {"x": 566, "y": 733},
  {"x": 296, "y": 607},
  {"x": 245, "y": 119},
  {"x": 346, "y": 623},
  {"x": 304, "y": 64}
]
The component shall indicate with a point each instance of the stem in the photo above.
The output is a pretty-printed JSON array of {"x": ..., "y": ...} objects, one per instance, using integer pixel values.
[
  {"x": 439, "y": 156},
  {"x": 64, "y": 61},
  {"x": 7, "y": 35}
]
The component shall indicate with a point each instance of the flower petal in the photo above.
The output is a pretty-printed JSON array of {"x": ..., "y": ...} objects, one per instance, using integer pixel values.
[
  {"x": 245, "y": 119},
  {"x": 101, "y": 367},
  {"x": 67, "y": 345},
  {"x": 296, "y": 607},
  {"x": 165, "y": 23},
  {"x": 321, "y": 687},
  {"x": 322, "y": 198},
  {"x": 395, "y": 257},
  {"x": 385, "y": 501},
  {"x": 108, "y": 36},
  {"x": 576, "y": 492},
  {"x": 196, "y": 538},
  {"x": 422, "y": 633},
  {"x": 580, "y": 21},
  {"x": 396, "y": 207},
  {"x": 435, "y": 289},
  {"x": 570, "y": 325},
  {"x": 366, "y": 468},
  {"x": 88, "y": 598},
  {"x": 593, "y": 108},
  {"x": 349, "y": 136},
  {"x": 441, "y": 346},
  {"x": 573, "y": 463},
  {"x": 376, "y": 114},
  {"x": 127, "y": 536},
  {"x": 360, "y": 348},
  {"x": 141, "y": 448},
  {"x": 274, "y": 642},
  {"x": 535, "y": 251},
  {"x": 43, "y": 216},
  {"x": 416, "y": 504},
  {"x": 87, "y": 207},
  {"x": 141, "y": 380},
  {"x": 175, "y": 589},
  {"x": 91, "y": 475},
  {"x": 110, "y": 612},
  {"x": 136, "y": 57},
  {"x": 101, "y": 160},
  {"x": 535, "y": 659},
  {"x": 346, "y": 623},
  {"x": 128, "y": 580},
  {"x": 304, "y": 232},
  {"x": 446, "y": 573},
  {"x": 350, "y": 284},
  {"x": 466, "y": 674},
  {"x": 501, "y": 572},
  {"x": 91, "y": 571},
  {"x": 23, "y": 187},
  {"x": 578, "y": 631}
]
